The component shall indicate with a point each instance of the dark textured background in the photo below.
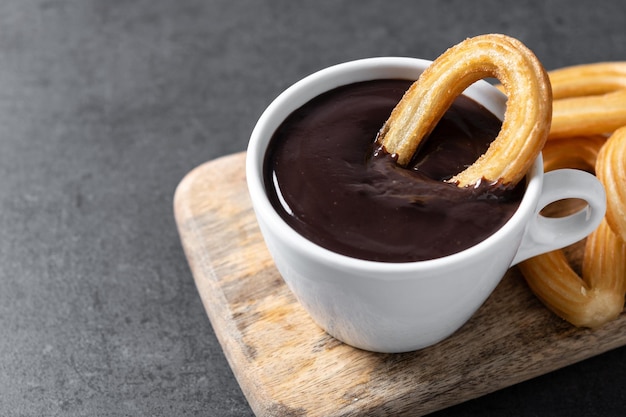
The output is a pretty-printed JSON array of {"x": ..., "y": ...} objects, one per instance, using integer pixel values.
[{"x": 106, "y": 105}]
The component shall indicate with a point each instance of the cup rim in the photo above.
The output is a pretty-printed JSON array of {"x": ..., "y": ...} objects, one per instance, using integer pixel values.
[{"x": 341, "y": 74}]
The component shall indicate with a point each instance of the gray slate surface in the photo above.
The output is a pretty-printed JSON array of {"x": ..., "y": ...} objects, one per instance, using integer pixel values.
[{"x": 106, "y": 104}]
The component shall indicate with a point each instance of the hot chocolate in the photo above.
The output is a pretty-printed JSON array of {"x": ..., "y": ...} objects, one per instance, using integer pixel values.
[{"x": 328, "y": 182}]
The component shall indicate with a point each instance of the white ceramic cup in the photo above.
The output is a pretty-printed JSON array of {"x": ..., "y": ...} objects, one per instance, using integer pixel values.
[{"x": 398, "y": 307}]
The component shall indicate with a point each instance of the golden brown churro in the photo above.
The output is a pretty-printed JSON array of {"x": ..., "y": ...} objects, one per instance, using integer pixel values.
[
  {"x": 588, "y": 99},
  {"x": 589, "y": 105},
  {"x": 611, "y": 171},
  {"x": 598, "y": 296},
  {"x": 578, "y": 152},
  {"x": 588, "y": 115},
  {"x": 526, "y": 121},
  {"x": 586, "y": 302},
  {"x": 604, "y": 263},
  {"x": 587, "y": 79}
]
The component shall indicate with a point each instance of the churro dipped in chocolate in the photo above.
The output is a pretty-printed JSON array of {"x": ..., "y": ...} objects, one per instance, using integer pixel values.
[{"x": 526, "y": 121}]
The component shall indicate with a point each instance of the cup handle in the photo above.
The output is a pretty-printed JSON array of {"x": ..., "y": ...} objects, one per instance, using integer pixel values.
[{"x": 544, "y": 234}]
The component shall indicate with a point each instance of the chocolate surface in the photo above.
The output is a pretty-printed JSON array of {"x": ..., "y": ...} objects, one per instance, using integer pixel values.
[{"x": 327, "y": 180}]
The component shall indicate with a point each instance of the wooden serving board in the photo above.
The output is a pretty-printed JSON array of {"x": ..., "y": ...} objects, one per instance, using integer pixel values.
[{"x": 287, "y": 366}]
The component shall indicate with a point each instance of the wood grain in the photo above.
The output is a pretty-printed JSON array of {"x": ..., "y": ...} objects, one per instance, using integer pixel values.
[{"x": 287, "y": 366}]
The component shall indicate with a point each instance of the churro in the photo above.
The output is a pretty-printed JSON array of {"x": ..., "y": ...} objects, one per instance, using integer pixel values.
[
  {"x": 578, "y": 152},
  {"x": 588, "y": 301},
  {"x": 588, "y": 99},
  {"x": 597, "y": 295},
  {"x": 587, "y": 79},
  {"x": 588, "y": 115},
  {"x": 611, "y": 171},
  {"x": 526, "y": 121}
]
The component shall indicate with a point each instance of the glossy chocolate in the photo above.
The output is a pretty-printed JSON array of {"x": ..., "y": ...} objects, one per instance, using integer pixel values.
[{"x": 327, "y": 180}]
